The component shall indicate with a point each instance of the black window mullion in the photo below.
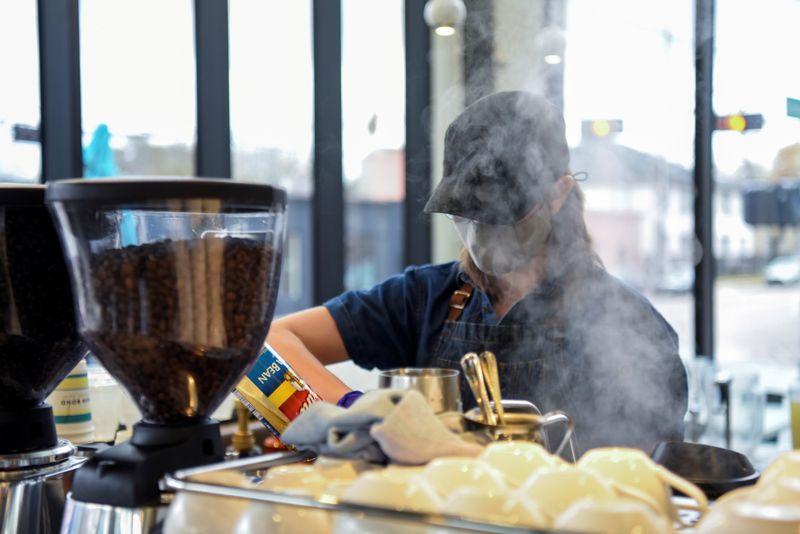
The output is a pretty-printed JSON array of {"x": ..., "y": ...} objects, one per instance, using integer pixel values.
[
  {"x": 478, "y": 50},
  {"x": 213, "y": 150},
  {"x": 328, "y": 201},
  {"x": 60, "y": 90},
  {"x": 704, "y": 179},
  {"x": 417, "y": 231}
]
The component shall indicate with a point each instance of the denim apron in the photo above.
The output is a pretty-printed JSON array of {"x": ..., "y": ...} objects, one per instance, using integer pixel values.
[
  {"x": 533, "y": 363},
  {"x": 562, "y": 361}
]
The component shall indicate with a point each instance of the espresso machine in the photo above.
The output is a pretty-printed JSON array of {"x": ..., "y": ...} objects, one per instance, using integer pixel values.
[
  {"x": 176, "y": 282},
  {"x": 39, "y": 346}
]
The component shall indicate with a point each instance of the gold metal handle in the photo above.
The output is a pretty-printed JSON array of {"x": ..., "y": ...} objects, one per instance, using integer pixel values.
[
  {"x": 471, "y": 365},
  {"x": 489, "y": 367}
]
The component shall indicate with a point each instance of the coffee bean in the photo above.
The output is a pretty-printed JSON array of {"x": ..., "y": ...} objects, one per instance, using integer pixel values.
[
  {"x": 39, "y": 343},
  {"x": 192, "y": 321}
]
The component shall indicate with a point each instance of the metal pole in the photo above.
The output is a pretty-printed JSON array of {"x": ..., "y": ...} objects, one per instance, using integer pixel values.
[
  {"x": 554, "y": 18},
  {"x": 328, "y": 201},
  {"x": 417, "y": 225},
  {"x": 703, "y": 178},
  {"x": 60, "y": 90},
  {"x": 478, "y": 50},
  {"x": 213, "y": 151}
]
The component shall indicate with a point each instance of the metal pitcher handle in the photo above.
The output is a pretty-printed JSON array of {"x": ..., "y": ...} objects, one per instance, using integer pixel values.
[{"x": 558, "y": 416}]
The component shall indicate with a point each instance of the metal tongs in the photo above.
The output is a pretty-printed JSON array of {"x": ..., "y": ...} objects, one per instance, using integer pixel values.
[
  {"x": 492, "y": 379},
  {"x": 482, "y": 377}
]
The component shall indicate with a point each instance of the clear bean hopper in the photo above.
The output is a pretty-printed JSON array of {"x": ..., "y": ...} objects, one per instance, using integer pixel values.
[{"x": 176, "y": 282}]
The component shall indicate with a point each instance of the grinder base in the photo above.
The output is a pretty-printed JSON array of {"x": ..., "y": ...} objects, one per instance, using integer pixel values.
[
  {"x": 128, "y": 475},
  {"x": 27, "y": 429}
]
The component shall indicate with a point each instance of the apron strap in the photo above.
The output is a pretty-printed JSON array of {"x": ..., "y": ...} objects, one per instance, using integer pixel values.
[{"x": 458, "y": 301}]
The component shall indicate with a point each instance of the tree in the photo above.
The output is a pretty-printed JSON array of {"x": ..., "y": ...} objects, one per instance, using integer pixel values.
[{"x": 786, "y": 164}]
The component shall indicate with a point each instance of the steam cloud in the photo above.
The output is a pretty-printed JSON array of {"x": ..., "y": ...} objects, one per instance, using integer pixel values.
[{"x": 606, "y": 356}]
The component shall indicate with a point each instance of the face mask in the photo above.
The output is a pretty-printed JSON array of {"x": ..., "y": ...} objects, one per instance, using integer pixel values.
[{"x": 500, "y": 249}]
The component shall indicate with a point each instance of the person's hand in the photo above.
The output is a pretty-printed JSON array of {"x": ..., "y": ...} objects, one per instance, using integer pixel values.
[{"x": 348, "y": 398}]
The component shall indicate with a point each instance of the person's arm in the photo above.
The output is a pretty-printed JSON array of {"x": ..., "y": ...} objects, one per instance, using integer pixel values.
[
  {"x": 375, "y": 327},
  {"x": 309, "y": 340}
]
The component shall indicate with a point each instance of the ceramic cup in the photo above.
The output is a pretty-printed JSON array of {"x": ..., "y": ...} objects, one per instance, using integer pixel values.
[
  {"x": 391, "y": 490},
  {"x": 555, "y": 491},
  {"x": 495, "y": 508},
  {"x": 402, "y": 473},
  {"x": 335, "y": 469},
  {"x": 739, "y": 512},
  {"x": 600, "y": 517},
  {"x": 783, "y": 491},
  {"x": 296, "y": 479},
  {"x": 778, "y": 491},
  {"x": 446, "y": 475},
  {"x": 633, "y": 472},
  {"x": 519, "y": 460},
  {"x": 394, "y": 488},
  {"x": 786, "y": 465}
]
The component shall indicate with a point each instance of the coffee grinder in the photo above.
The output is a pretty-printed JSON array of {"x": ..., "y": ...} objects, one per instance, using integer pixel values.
[
  {"x": 39, "y": 346},
  {"x": 175, "y": 282}
]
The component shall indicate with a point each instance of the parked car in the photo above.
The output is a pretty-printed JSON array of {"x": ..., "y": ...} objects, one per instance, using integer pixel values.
[{"x": 783, "y": 270}]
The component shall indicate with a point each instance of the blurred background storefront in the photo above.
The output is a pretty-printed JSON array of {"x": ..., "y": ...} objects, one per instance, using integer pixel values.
[{"x": 692, "y": 188}]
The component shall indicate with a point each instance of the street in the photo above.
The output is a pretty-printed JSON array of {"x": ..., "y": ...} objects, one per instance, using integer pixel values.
[{"x": 754, "y": 322}]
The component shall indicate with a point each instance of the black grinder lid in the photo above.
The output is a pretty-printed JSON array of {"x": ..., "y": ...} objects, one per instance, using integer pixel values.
[
  {"x": 21, "y": 194},
  {"x": 143, "y": 189}
]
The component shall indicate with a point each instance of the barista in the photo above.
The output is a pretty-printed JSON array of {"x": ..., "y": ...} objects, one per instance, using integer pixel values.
[{"x": 528, "y": 287}]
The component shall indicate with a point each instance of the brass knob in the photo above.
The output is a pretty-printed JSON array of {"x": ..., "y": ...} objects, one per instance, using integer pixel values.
[{"x": 243, "y": 440}]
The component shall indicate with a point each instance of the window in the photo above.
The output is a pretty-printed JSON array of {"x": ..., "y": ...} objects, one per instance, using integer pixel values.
[
  {"x": 272, "y": 121},
  {"x": 632, "y": 64},
  {"x": 639, "y": 190},
  {"x": 641, "y": 176},
  {"x": 137, "y": 87},
  {"x": 20, "y": 152},
  {"x": 757, "y": 295},
  {"x": 373, "y": 139}
]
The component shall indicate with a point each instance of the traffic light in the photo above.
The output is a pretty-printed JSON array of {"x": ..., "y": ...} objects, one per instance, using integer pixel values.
[
  {"x": 600, "y": 128},
  {"x": 25, "y": 133},
  {"x": 739, "y": 122}
]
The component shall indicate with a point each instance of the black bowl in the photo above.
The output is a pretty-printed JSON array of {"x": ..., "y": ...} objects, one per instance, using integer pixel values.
[{"x": 714, "y": 470}]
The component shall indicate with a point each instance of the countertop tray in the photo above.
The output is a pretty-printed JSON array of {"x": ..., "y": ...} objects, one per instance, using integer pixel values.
[{"x": 254, "y": 468}]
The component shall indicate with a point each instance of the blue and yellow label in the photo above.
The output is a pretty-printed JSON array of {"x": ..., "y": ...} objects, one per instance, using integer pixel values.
[{"x": 274, "y": 392}]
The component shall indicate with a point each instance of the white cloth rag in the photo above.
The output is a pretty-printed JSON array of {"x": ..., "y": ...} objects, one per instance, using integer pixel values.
[{"x": 382, "y": 425}]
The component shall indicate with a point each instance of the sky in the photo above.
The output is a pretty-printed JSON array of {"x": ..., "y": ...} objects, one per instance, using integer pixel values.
[
  {"x": 634, "y": 60},
  {"x": 271, "y": 74},
  {"x": 625, "y": 59}
]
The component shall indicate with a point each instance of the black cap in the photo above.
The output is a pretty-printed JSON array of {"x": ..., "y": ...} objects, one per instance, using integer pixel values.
[{"x": 500, "y": 155}]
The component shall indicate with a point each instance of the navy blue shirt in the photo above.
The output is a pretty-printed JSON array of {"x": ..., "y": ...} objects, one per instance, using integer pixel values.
[
  {"x": 397, "y": 322},
  {"x": 617, "y": 370}
]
